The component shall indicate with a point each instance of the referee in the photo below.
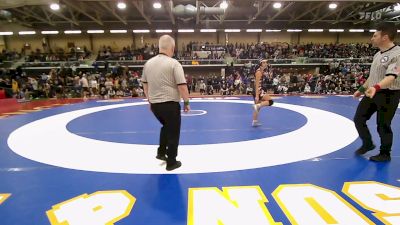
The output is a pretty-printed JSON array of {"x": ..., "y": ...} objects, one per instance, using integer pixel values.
[
  {"x": 164, "y": 83},
  {"x": 382, "y": 93}
]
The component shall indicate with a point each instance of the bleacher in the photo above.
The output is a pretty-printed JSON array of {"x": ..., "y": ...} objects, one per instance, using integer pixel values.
[{"x": 211, "y": 57}]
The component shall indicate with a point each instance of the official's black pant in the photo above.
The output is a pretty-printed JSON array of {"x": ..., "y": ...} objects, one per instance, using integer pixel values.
[
  {"x": 169, "y": 115},
  {"x": 384, "y": 103}
]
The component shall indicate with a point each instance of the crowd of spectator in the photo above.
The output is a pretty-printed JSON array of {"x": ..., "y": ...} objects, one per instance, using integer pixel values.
[
  {"x": 7, "y": 55},
  {"x": 340, "y": 77},
  {"x": 290, "y": 51},
  {"x": 278, "y": 50},
  {"x": 66, "y": 83},
  {"x": 127, "y": 53},
  {"x": 195, "y": 50},
  {"x": 73, "y": 54}
]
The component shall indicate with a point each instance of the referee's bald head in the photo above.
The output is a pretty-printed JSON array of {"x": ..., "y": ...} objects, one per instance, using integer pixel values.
[
  {"x": 387, "y": 29},
  {"x": 166, "y": 42}
]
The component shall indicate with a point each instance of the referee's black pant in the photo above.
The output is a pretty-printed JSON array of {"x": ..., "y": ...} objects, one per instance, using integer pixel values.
[
  {"x": 384, "y": 103},
  {"x": 169, "y": 115}
]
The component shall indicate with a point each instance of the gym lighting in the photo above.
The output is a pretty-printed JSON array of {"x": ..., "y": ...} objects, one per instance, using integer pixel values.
[
  {"x": 336, "y": 30},
  {"x": 121, "y": 5},
  {"x": 208, "y": 30},
  {"x": 254, "y": 30},
  {"x": 232, "y": 30},
  {"x": 185, "y": 31},
  {"x": 397, "y": 7},
  {"x": 95, "y": 31},
  {"x": 55, "y": 6},
  {"x": 72, "y": 32},
  {"x": 118, "y": 31},
  {"x": 315, "y": 30},
  {"x": 49, "y": 32},
  {"x": 141, "y": 31},
  {"x": 277, "y": 5},
  {"x": 356, "y": 30},
  {"x": 156, "y": 5},
  {"x": 294, "y": 30},
  {"x": 164, "y": 31},
  {"x": 3, "y": 33},
  {"x": 223, "y": 5},
  {"x": 26, "y": 32},
  {"x": 333, "y": 6}
]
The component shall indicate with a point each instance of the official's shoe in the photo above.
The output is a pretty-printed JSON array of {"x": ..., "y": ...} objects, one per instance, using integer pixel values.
[
  {"x": 161, "y": 157},
  {"x": 380, "y": 158},
  {"x": 176, "y": 165},
  {"x": 362, "y": 150}
]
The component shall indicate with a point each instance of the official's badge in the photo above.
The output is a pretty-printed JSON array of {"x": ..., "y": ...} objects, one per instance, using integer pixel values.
[
  {"x": 384, "y": 59},
  {"x": 396, "y": 70}
]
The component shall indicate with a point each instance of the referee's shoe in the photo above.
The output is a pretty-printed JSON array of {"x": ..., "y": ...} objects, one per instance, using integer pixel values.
[
  {"x": 364, "y": 149},
  {"x": 381, "y": 157},
  {"x": 174, "y": 165}
]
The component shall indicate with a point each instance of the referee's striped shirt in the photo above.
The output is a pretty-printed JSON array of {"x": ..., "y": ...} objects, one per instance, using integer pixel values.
[
  {"x": 386, "y": 63},
  {"x": 163, "y": 74}
]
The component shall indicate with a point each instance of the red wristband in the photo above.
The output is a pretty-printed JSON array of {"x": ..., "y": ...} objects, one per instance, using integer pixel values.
[{"x": 377, "y": 87}]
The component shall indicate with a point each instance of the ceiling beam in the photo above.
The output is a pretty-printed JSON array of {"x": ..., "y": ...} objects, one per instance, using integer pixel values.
[
  {"x": 11, "y": 4},
  {"x": 198, "y": 16},
  {"x": 339, "y": 14},
  {"x": 82, "y": 11},
  {"x": 46, "y": 14},
  {"x": 168, "y": 5},
  {"x": 20, "y": 20},
  {"x": 25, "y": 12},
  {"x": 217, "y": 3},
  {"x": 316, "y": 13},
  {"x": 352, "y": 13},
  {"x": 112, "y": 11},
  {"x": 96, "y": 7},
  {"x": 279, "y": 12},
  {"x": 71, "y": 12},
  {"x": 23, "y": 23},
  {"x": 217, "y": 18},
  {"x": 393, "y": 18},
  {"x": 307, "y": 12},
  {"x": 197, "y": 12},
  {"x": 214, "y": 20},
  {"x": 66, "y": 18},
  {"x": 259, "y": 11},
  {"x": 140, "y": 8},
  {"x": 222, "y": 17},
  {"x": 342, "y": 6}
]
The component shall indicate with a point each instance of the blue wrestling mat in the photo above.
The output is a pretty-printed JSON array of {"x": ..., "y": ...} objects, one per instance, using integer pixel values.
[{"x": 93, "y": 163}]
